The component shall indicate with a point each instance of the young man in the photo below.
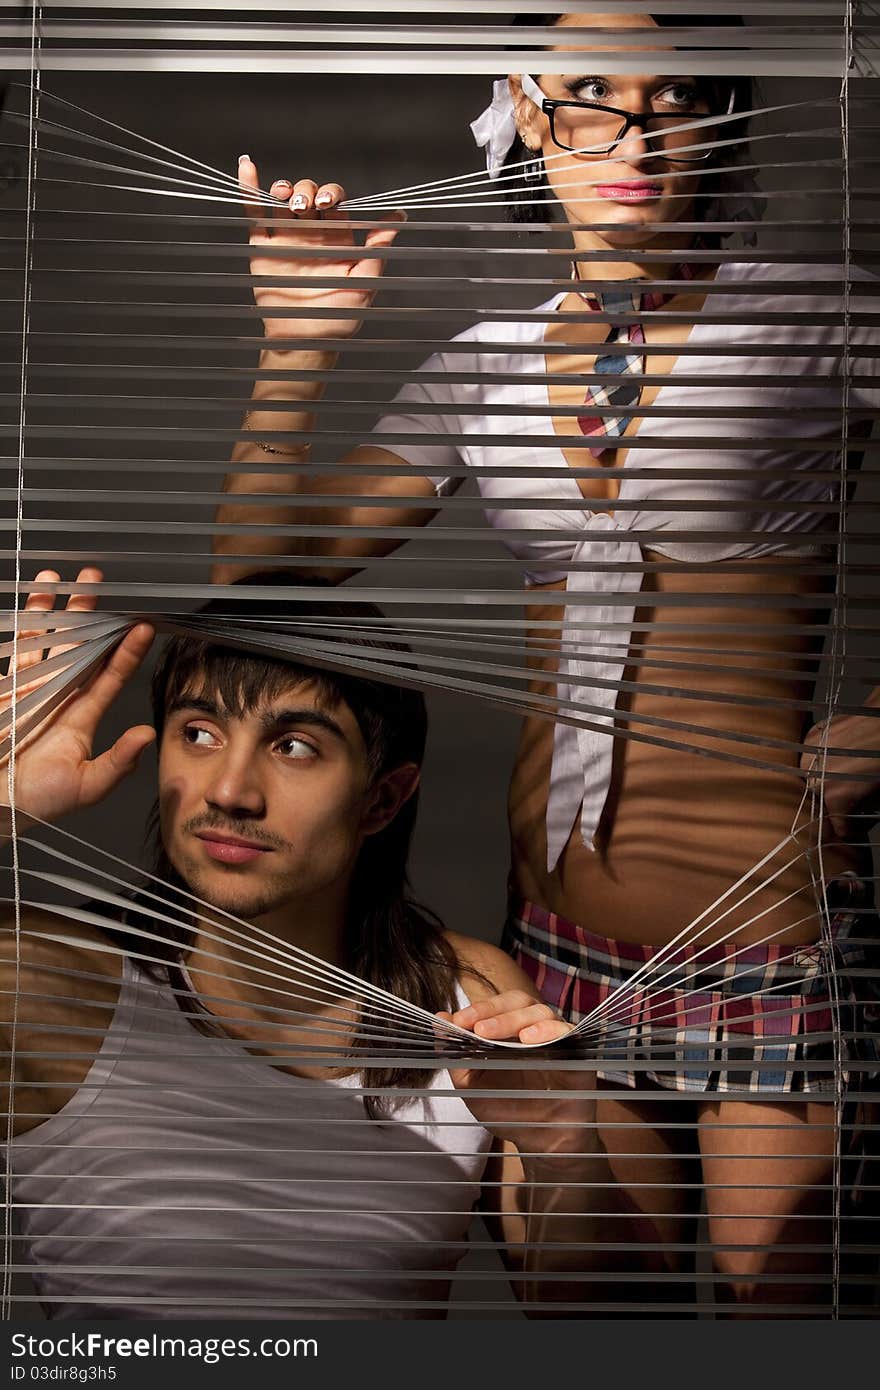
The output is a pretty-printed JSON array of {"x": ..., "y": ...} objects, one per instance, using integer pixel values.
[{"x": 196, "y": 1133}]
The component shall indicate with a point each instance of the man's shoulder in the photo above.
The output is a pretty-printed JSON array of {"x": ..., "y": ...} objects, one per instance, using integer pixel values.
[
  {"x": 59, "y": 988},
  {"x": 49, "y": 956},
  {"x": 485, "y": 970}
]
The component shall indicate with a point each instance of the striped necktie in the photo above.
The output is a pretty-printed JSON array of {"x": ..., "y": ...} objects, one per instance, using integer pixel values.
[{"x": 621, "y": 297}]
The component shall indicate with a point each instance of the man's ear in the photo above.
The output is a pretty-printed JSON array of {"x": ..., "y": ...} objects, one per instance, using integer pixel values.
[
  {"x": 528, "y": 117},
  {"x": 388, "y": 795}
]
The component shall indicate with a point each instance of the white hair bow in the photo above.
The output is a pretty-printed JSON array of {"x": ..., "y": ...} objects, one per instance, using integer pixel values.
[{"x": 495, "y": 130}]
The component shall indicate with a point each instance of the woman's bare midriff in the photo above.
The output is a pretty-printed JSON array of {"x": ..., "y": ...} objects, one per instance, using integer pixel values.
[{"x": 679, "y": 827}]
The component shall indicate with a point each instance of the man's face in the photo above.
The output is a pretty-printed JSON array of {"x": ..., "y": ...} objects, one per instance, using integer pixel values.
[{"x": 266, "y": 811}]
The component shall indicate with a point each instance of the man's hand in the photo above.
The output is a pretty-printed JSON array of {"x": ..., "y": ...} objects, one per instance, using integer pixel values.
[
  {"x": 517, "y": 1016},
  {"x": 329, "y": 229},
  {"x": 55, "y": 771}
]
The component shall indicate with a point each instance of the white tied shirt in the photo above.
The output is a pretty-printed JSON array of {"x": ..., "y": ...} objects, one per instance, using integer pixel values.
[{"x": 721, "y": 511}]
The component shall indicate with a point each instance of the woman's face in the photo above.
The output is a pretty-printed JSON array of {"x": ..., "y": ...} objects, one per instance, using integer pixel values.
[{"x": 637, "y": 184}]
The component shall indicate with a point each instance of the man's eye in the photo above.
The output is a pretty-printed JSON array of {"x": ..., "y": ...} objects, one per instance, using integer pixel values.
[
  {"x": 292, "y": 746},
  {"x": 198, "y": 737}
]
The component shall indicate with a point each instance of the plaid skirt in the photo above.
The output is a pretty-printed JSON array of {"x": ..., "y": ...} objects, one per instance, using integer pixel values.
[{"x": 720, "y": 1018}]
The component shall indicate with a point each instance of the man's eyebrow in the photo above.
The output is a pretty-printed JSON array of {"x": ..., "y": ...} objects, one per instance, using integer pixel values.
[
  {"x": 270, "y": 720},
  {"x": 197, "y": 703},
  {"x": 282, "y": 718}
]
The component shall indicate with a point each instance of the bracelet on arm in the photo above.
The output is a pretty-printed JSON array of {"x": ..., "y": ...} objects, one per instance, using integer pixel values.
[{"x": 270, "y": 448}]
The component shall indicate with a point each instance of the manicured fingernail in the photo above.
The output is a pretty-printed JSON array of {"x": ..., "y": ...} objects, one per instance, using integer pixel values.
[
  {"x": 282, "y": 183},
  {"x": 244, "y": 159},
  {"x": 322, "y": 200},
  {"x": 298, "y": 202}
]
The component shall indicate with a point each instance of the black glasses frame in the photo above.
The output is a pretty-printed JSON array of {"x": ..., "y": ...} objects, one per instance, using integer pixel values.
[{"x": 550, "y": 105}]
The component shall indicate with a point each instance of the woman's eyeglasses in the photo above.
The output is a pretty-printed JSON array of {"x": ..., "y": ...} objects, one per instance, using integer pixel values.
[{"x": 589, "y": 128}]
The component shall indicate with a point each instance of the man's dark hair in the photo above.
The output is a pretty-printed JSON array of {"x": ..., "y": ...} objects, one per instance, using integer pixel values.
[
  {"x": 392, "y": 941},
  {"x": 533, "y": 205}
]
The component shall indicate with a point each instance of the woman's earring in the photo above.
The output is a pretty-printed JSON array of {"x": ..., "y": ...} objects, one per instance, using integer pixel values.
[{"x": 534, "y": 171}]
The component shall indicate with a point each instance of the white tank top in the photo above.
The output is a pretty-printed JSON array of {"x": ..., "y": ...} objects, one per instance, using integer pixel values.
[{"x": 189, "y": 1178}]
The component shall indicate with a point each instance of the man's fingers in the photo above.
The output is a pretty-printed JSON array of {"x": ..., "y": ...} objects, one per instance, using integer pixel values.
[
  {"x": 86, "y": 603},
  {"x": 79, "y": 603},
  {"x": 45, "y": 603},
  {"x": 128, "y": 656},
  {"x": 42, "y": 601},
  {"x": 103, "y": 773},
  {"x": 104, "y": 688},
  {"x": 127, "y": 749},
  {"x": 37, "y": 603}
]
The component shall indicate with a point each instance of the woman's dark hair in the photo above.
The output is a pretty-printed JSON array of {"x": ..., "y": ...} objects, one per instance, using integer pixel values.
[
  {"x": 533, "y": 205},
  {"x": 392, "y": 941}
]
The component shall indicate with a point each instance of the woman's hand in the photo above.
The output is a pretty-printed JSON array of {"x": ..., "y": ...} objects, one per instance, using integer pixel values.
[
  {"x": 855, "y": 785},
  {"x": 55, "y": 772},
  {"x": 311, "y": 220},
  {"x": 517, "y": 1016}
]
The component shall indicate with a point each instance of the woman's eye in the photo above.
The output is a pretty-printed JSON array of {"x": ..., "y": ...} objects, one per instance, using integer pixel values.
[
  {"x": 680, "y": 96},
  {"x": 197, "y": 737},
  {"x": 592, "y": 89},
  {"x": 294, "y": 747}
]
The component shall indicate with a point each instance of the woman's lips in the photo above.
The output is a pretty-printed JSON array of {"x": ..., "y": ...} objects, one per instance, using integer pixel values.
[
  {"x": 231, "y": 851},
  {"x": 629, "y": 192}
]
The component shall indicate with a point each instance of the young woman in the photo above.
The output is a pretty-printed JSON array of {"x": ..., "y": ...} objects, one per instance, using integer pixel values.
[{"x": 619, "y": 843}]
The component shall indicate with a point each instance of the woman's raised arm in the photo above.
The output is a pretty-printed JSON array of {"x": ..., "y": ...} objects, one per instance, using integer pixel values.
[{"x": 311, "y": 221}]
